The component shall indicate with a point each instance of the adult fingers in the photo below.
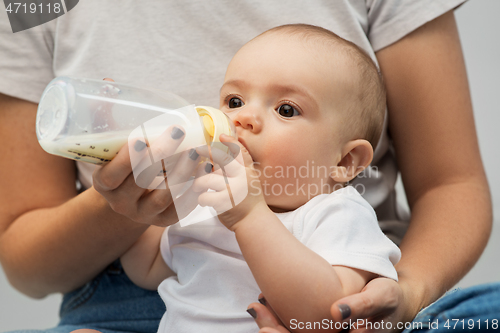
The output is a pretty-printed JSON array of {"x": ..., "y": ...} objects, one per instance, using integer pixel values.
[
  {"x": 159, "y": 208},
  {"x": 183, "y": 167},
  {"x": 149, "y": 163},
  {"x": 265, "y": 319},
  {"x": 184, "y": 205},
  {"x": 263, "y": 301},
  {"x": 178, "y": 181},
  {"x": 380, "y": 296},
  {"x": 185, "y": 199},
  {"x": 167, "y": 143},
  {"x": 112, "y": 175},
  {"x": 154, "y": 202},
  {"x": 118, "y": 185},
  {"x": 124, "y": 199},
  {"x": 158, "y": 200}
]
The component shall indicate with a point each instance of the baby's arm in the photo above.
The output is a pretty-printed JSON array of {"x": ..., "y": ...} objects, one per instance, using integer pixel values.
[
  {"x": 144, "y": 263},
  {"x": 297, "y": 282}
]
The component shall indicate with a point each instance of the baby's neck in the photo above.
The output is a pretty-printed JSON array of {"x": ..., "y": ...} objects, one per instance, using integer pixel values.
[
  {"x": 279, "y": 210},
  {"x": 276, "y": 209}
]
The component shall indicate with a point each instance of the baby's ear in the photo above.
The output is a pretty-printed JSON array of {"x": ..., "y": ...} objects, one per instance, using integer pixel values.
[{"x": 356, "y": 156}]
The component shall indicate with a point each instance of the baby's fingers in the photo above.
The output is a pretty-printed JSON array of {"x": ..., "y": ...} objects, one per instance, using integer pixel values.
[
  {"x": 230, "y": 166},
  {"x": 206, "y": 179},
  {"x": 220, "y": 201},
  {"x": 217, "y": 153},
  {"x": 238, "y": 151}
]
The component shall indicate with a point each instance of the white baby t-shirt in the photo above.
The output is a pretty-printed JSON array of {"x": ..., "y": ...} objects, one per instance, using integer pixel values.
[{"x": 214, "y": 285}]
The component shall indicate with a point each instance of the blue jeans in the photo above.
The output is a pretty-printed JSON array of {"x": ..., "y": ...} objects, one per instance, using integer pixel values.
[
  {"x": 475, "y": 309},
  {"x": 110, "y": 303}
]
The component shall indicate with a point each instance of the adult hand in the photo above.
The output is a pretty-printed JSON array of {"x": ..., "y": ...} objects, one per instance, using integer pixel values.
[
  {"x": 266, "y": 319},
  {"x": 116, "y": 183},
  {"x": 382, "y": 300},
  {"x": 380, "y": 307}
]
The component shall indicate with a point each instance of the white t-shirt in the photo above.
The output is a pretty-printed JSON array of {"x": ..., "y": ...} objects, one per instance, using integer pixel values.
[
  {"x": 214, "y": 285},
  {"x": 185, "y": 47}
]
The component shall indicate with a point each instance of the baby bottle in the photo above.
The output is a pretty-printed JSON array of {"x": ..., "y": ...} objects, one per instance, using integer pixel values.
[{"x": 90, "y": 120}]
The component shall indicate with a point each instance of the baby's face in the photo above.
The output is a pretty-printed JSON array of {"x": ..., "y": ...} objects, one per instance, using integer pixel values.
[{"x": 286, "y": 99}]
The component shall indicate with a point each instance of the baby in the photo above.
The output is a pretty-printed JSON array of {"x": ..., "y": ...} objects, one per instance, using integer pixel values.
[{"x": 300, "y": 97}]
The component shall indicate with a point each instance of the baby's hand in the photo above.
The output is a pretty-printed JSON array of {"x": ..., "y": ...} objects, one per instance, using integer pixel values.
[{"x": 235, "y": 182}]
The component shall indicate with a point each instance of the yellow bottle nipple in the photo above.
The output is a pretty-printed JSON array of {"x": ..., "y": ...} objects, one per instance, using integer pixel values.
[
  {"x": 215, "y": 123},
  {"x": 209, "y": 125}
]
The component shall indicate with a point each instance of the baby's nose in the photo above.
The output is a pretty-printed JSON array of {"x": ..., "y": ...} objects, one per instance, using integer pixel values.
[{"x": 248, "y": 119}]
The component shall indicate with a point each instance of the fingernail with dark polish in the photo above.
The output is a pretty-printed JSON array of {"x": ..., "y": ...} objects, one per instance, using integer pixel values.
[
  {"x": 345, "y": 310},
  {"x": 193, "y": 154},
  {"x": 139, "y": 145},
  {"x": 262, "y": 301},
  {"x": 177, "y": 133},
  {"x": 208, "y": 167},
  {"x": 252, "y": 313}
]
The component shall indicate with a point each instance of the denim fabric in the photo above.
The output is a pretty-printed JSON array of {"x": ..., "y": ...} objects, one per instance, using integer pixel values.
[
  {"x": 475, "y": 309},
  {"x": 110, "y": 303}
]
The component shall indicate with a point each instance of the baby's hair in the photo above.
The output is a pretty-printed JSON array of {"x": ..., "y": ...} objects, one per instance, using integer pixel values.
[{"x": 365, "y": 120}]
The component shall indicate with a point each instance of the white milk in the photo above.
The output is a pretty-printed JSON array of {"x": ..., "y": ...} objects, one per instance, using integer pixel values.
[
  {"x": 96, "y": 148},
  {"x": 100, "y": 148}
]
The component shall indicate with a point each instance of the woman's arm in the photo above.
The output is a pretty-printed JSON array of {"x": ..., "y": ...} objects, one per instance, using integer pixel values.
[
  {"x": 431, "y": 123},
  {"x": 51, "y": 239}
]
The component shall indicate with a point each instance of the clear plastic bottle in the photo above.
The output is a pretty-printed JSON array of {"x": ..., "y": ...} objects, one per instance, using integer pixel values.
[{"x": 90, "y": 120}]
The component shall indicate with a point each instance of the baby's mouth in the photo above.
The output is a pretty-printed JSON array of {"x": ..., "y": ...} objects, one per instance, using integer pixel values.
[{"x": 243, "y": 143}]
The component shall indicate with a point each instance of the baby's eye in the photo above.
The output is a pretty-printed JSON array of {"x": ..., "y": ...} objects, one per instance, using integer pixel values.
[
  {"x": 288, "y": 111},
  {"x": 235, "y": 102}
]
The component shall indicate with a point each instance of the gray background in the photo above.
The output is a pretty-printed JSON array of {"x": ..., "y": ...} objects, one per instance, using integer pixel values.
[{"x": 479, "y": 27}]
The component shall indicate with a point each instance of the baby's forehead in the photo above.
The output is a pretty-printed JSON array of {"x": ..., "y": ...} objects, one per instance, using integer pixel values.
[
  {"x": 329, "y": 50},
  {"x": 307, "y": 56}
]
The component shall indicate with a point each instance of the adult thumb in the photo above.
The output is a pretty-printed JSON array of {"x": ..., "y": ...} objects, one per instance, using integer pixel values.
[
  {"x": 266, "y": 320},
  {"x": 377, "y": 298}
]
